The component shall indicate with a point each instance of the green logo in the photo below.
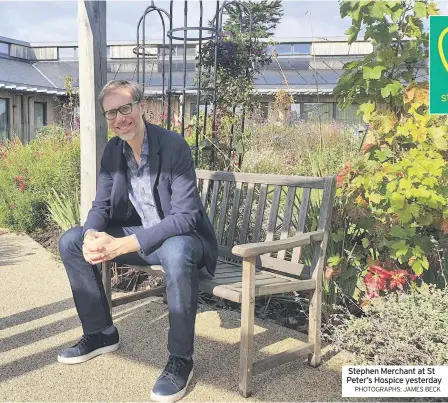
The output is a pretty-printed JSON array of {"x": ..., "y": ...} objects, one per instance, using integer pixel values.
[{"x": 438, "y": 64}]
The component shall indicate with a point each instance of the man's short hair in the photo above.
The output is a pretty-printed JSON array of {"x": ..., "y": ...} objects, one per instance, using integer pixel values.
[{"x": 136, "y": 91}]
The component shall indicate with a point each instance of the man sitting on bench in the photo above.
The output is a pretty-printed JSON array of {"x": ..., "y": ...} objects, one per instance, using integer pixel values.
[{"x": 147, "y": 210}]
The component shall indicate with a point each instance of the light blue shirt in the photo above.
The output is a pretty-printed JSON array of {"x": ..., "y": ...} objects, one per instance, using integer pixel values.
[{"x": 139, "y": 185}]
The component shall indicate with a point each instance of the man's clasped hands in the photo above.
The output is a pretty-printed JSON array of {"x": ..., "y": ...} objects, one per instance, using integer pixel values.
[{"x": 99, "y": 247}]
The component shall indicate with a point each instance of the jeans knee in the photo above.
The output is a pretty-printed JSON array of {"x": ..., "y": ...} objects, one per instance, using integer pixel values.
[
  {"x": 70, "y": 240},
  {"x": 177, "y": 255}
]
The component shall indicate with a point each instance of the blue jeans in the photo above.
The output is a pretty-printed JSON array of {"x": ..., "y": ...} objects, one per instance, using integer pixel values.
[{"x": 180, "y": 256}]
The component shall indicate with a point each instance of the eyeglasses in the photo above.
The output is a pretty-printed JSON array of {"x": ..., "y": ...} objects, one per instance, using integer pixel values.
[{"x": 123, "y": 109}]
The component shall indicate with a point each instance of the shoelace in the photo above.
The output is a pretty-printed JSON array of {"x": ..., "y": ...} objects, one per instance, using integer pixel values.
[
  {"x": 172, "y": 368},
  {"x": 84, "y": 340}
]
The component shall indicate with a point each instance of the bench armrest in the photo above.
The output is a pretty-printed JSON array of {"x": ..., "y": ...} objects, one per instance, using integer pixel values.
[{"x": 260, "y": 248}]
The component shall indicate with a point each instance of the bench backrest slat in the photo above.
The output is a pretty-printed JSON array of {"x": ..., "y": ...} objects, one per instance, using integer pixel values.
[
  {"x": 234, "y": 215},
  {"x": 303, "y": 213},
  {"x": 247, "y": 212},
  {"x": 273, "y": 213},
  {"x": 223, "y": 213},
  {"x": 260, "y": 212},
  {"x": 290, "y": 198}
]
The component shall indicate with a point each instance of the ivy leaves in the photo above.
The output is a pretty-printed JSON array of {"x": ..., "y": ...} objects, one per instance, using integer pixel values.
[{"x": 395, "y": 30}]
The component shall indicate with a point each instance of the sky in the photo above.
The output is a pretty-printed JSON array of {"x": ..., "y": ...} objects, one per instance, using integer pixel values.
[{"x": 56, "y": 21}]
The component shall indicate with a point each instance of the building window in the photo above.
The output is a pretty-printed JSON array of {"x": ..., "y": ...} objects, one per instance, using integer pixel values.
[
  {"x": 40, "y": 114},
  {"x": 4, "y": 48},
  {"x": 4, "y": 118},
  {"x": 295, "y": 113},
  {"x": 67, "y": 53},
  {"x": 283, "y": 49},
  {"x": 318, "y": 112},
  {"x": 302, "y": 48},
  {"x": 108, "y": 52}
]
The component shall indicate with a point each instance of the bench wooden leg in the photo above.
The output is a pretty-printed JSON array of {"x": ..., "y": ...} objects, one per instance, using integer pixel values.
[
  {"x": 247, "y": 327},
  {"x": 107, "y": 282},
  {"x": 314, "y": 331}
]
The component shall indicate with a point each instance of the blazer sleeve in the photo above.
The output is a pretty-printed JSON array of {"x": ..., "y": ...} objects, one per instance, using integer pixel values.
[
  {"x": 98, "y": 216},
  {"x": 184, "y": 212}
]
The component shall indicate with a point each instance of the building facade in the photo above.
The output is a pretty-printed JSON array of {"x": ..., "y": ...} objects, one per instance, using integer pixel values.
[{"x": 33, "y": 79}]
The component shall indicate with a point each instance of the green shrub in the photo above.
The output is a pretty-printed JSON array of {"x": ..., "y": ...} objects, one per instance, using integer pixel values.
[
  {"x": 29, "y": 172},
  {"x": 398, "y": 329},
  {"x": 64, "y": 211}
]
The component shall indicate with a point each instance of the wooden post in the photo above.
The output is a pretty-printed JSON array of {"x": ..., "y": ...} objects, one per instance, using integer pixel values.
[
  {"x": 92, "y": 52},
  {"x": 247, "y": 327}
]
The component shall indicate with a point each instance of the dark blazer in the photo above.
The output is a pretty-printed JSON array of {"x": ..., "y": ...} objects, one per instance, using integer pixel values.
[{"x": 173, "y": 183}]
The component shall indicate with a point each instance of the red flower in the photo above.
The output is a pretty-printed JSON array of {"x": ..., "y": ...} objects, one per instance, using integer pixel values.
[
  {"x": 331, "y": 272},
  {"x": 375, "y": 280},
  {"x": 398, "y": 279},
  {"x": 18, "y": 178},
  {"x": 345, "y": 171},
  {"x": 380, "y": 271}
]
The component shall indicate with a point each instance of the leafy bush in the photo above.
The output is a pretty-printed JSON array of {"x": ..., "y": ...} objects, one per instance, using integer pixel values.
[
  {"x": 398, "y": 329},
  {"x": 395, "y": 197},
  {"x": 29, "y": 172}
]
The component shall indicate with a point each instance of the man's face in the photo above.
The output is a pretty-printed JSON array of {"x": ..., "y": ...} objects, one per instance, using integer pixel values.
[{"x": 124, "y": 126}]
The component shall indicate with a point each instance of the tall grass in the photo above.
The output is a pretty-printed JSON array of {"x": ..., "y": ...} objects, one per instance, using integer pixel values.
[{"x": 304, "y": 148}]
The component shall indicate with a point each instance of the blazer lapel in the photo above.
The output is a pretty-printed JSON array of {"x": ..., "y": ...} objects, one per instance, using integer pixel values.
[
  {"x": 120, "y": 196},
  {"x": 154, "y": 158}
]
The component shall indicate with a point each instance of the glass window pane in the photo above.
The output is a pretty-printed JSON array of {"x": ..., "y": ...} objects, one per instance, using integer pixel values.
[
  {"x": 4, "y": 118},
  {"x": 318, "y": 112},
  {"x": 302, "y": 48},
  {"x": 39, "y": 115},
  {"x": 283, "y": 49},
  {"x": 4, "y": 48}
]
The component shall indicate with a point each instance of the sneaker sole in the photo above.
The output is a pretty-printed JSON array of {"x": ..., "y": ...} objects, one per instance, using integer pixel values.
[
  {"x": 87, "y": 357},
  {"x": 172, "y": 398}
]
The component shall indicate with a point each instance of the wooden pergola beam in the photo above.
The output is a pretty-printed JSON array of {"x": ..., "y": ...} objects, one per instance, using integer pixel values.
[{"x": 92, "y": 48}]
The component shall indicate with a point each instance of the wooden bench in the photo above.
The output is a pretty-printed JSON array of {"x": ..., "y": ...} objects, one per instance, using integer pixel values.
[{"x": 255, "y": 216}]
